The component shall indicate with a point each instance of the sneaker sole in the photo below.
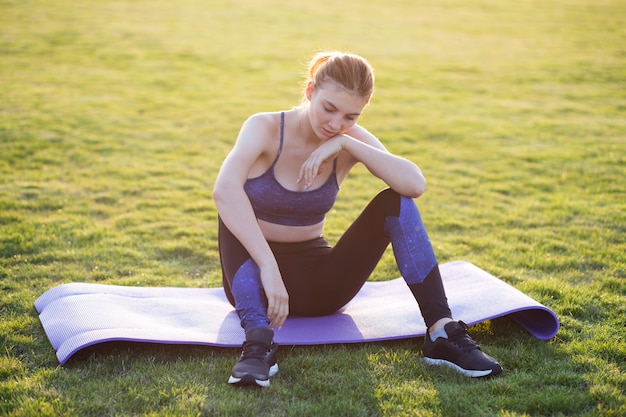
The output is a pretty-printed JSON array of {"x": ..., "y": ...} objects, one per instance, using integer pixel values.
[
  {"x": 248, "y": 380},
  {"x": 466, "y": 372}
]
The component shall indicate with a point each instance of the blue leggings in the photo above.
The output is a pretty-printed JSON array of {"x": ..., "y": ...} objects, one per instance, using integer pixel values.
[{"x": 321, "y": 279}]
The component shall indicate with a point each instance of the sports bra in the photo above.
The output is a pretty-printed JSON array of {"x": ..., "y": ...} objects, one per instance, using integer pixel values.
[{"x": 276, "y": 204}]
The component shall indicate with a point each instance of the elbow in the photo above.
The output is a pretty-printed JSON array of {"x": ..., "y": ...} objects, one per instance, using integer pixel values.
[
  {"x": 421, "y": 190},
  {"x": 414, "y": 183},
  {"x": 219, "y": 195},
  {"x": 414, "y": 190},
  {"x": 418, "y": 189},
  {"x": 412, "y": 187},
  {"x": 418, "y": 186},
  {"x": 226, "y": 194}
]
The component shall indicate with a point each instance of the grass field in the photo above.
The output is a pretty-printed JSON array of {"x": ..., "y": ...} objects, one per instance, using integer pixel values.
[{"x": 115, "y": 117}]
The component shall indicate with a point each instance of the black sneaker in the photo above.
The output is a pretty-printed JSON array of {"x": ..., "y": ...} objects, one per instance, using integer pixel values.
[
  {"x": 258, "y": 359},
  {"x": 459, "y": 352}
]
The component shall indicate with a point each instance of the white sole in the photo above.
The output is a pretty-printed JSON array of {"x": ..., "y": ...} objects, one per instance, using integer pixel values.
[
  {"x": 466, "y": 372},
  {"x": 273, "y": 370},
  {"x": 260, "y": 382}
]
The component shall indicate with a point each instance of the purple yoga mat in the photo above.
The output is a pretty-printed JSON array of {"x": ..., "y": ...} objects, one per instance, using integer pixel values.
[{"x": 79, "y": 315}]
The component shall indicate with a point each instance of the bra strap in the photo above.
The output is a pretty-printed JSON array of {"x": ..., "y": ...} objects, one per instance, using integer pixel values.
[{"x": 282, "y": 129}]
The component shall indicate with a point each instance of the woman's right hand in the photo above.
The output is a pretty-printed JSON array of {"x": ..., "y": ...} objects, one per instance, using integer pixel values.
[{"x": 277, "y": 296}]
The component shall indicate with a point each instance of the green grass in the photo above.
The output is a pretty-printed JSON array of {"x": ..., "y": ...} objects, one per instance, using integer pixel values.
[{"x": 115, "y": 117}]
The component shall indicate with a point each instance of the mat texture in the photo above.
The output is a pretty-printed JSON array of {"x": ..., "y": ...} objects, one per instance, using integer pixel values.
[{"x": 78, "y": 315}]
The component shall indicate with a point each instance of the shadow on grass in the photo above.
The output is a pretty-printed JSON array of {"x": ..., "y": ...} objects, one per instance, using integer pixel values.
[
  {"x": 333, "y": 380},
  {"x": 383, "y": 378}
]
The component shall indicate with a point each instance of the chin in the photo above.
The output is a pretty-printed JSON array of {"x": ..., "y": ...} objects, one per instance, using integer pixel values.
[{"x": 326, "y": 134}]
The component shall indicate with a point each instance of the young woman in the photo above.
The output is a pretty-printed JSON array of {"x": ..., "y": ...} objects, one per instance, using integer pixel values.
[{"x": 272, "y": 194}]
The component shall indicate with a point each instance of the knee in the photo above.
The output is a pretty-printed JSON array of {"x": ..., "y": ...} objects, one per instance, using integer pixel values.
[
  {"x": 390, "y": 200},
  {"x": 248, "y": 276}
]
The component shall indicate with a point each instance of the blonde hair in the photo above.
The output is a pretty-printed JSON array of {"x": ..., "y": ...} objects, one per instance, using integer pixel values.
[{"x": 350, "y": 71}]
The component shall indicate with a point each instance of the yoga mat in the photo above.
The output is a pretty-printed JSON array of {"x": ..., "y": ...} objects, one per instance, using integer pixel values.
[{"x": 78, "y": 315}]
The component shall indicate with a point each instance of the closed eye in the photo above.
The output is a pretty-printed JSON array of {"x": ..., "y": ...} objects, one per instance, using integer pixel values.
[{"x": 330, "y": 108}]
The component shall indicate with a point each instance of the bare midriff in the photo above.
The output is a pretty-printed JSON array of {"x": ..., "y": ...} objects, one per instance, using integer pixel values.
[{"x": 288, "y": 234}]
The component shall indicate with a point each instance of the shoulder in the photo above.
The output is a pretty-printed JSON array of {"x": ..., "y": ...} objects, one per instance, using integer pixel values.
[
  {"x": 258, "y": 132},
  {"x": 257, "y": 140},
  {"x": 262, "y": 123}
]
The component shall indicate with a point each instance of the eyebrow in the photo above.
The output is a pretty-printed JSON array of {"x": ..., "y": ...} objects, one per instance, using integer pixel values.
[{"x": 335, "y": 108}]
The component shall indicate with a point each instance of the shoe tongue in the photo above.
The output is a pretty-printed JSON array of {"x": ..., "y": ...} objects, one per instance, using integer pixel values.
[
  {"x": 256, "y": 345},
  {"x": 455, "y": 329},
  {"x": 457, "y": 333},
  {"x": 254, "y": 350}
]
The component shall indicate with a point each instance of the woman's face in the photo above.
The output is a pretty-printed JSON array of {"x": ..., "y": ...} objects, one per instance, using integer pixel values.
[{"x": 333, "y": 110}]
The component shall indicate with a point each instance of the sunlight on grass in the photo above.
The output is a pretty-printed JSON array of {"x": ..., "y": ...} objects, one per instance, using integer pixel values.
[{"x": 116, "y": 115}]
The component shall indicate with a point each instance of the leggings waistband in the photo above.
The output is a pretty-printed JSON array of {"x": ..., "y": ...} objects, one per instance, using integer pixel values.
[{"x": 292, "y": 247}]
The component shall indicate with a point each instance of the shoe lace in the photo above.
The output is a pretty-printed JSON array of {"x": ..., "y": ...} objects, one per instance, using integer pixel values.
[
  {"x": 253, "y": 349},
  {"x": 462, "y": 340}
]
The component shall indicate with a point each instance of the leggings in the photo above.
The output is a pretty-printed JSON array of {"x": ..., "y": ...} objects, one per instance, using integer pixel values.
[{"x": 321, "y": 279}]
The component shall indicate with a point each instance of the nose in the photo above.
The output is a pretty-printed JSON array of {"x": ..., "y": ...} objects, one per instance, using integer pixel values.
[{"x": 335, "y": 124}]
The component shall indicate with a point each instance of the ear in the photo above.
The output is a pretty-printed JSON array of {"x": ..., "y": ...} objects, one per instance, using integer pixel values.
[{"x": 310, "y": 86}]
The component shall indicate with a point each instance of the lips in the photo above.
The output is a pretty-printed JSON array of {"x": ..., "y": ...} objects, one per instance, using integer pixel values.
[{"x": 328, "y": 133}]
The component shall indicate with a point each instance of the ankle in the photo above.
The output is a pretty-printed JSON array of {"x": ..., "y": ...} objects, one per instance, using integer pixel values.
[
  {"x": 260, "y": 334},
  {"x": 439, "y": 325}
]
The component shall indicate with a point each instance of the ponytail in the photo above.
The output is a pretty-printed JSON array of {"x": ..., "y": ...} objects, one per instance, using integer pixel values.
[{"x": 351, "y": 71}]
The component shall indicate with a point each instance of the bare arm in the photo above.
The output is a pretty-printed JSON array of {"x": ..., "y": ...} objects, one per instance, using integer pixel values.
[
  {"x": 400, "y": 174},
  {"x": 235, "y": 210}
]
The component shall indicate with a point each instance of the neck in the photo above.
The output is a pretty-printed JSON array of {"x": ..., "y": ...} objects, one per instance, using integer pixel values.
[{"x": 305, "y": 129}]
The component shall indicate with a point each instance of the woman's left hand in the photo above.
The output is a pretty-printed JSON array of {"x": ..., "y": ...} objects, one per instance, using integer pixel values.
[{"x": 325, "y": 152}]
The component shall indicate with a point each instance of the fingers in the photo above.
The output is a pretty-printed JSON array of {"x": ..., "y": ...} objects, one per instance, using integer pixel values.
[
  {"x": 311, "y": 168},
  {"x": 308, "y": 171},
  {"x": 278, "y": 311},
  {"x": 277, "y": 296}
]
